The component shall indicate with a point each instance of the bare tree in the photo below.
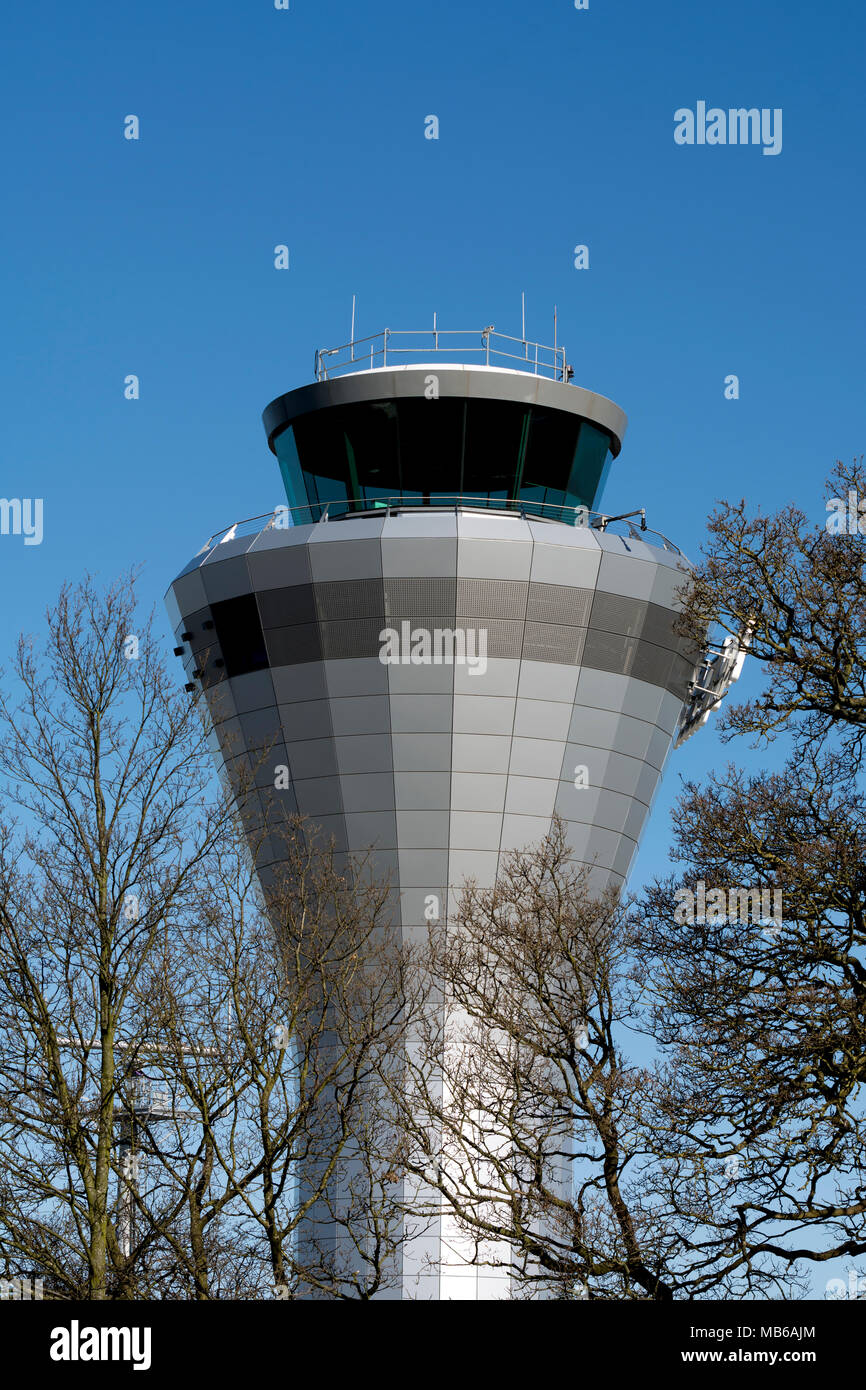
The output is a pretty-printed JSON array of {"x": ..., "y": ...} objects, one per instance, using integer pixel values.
[
  {"x": 185, "y": 1066},
  {"x": 281, "y": 1135},
  {"x": 526, "y": 1120},
  {"x": 763, "y": 1019},
  {"x": 799, "y": 590},
  {"x": 763, "y": 1016},
  {"x": 727, "y": 1164},
  {"x": 103, "y": 761}
]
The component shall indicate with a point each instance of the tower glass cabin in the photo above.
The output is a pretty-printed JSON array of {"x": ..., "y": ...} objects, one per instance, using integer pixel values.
[{"x": 491, "y": 439}]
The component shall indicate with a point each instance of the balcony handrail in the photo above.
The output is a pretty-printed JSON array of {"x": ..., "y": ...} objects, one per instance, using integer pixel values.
[
  {"x": 537, "y": 358},
  {"x": 388, "y": 506}
]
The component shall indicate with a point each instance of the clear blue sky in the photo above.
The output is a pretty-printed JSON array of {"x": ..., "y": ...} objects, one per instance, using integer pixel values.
[{"x": 306, "y": 127}]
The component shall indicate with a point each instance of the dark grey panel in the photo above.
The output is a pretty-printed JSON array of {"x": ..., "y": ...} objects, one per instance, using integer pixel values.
[
  {"x": 261, "y": 728},
  {"x": 369, "y": 829},
  {"x": 292, "y": 646},
  {"x": 319, "y": 796},
  {"x": 659, "y": 627},
  {"x": 652, "y": 664},
  {"x": 275, "y": 560},
  {"x": 354, "y": 612},
  {"x": 226, "y": 577},
  {"x": 230, "y": 737},
  {"x": 356, "y": 678},
  {"x": 316, "y": 757},
  {"x": 269, "y": 761},
  {"x": 239, "y": 770},
  {"x": 367, "y": 791},
  {"x": 200, "y": 638},
  {"x": 221, "y": 706},
  {"x": 617, "y": 613},
  {"x": 278, "y": 805},
  {"x": 285, "y": 607},
  {"x": 250, "y": 808},
  {"x": 358, "y": 637},
  {"x": 360, "y": 714},
  {"x": 332, "y": 827},
  {"x": 682, "y": 672},
  {"x": 364, "y": 753},
  {"x": 307, "y": 719},
  {"x": 339, "y": 599},
  {"x": 252, "y": 690},
  {"x": 693, "y": 652},
  {"x": 608, "y": 651},
  {"x": 206, "y": 661},
  {"x": 305, "y": 681},
  {"x": 559, "y": 603}
]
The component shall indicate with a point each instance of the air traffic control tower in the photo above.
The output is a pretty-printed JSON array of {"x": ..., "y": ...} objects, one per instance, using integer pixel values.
[{"x": 439, "y": 485}]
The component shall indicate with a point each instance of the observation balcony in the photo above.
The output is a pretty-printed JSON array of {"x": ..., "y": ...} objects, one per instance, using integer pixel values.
[
  {"x": 632, "y": 524},
  {"x": 413, "y": 347}
]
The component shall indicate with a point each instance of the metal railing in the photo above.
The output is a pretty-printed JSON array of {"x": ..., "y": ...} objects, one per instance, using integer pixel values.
[
  {"x": 283, "y": 517},
  {"x": 462, "y": 346}
]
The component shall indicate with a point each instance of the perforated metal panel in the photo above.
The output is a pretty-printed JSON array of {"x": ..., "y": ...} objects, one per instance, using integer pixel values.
[
  {"x": 348, "y": 598},
  {"x": 652, "y": 664},
  {"x": 293, "y": 637},
  {"x": 659, "y": 627},
  {"x": 552, "y": 642},
  {"x": 355, "y": 638},
  {"x": 504, "y": 639},
  {"x": 559, "y": 603},
  {"x": 421, "y": 598},
  {"x": 608, "y": 651},
  {"x": 616, "y": 613},
  {"x": 492, "y": 598}
]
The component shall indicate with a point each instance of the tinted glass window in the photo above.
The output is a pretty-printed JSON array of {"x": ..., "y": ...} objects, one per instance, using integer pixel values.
[
  {"x": 498, "y": 453},
  {"x": 591, "y": 462},
  {"x": 239, "y": 633},
  {"x": 495, "y": 438}
]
